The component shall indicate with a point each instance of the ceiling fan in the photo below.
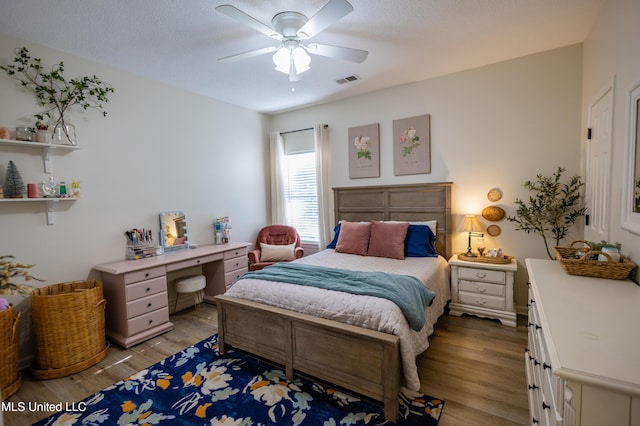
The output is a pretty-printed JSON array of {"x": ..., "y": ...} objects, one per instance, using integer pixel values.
[{"x": 293, "y": 29}]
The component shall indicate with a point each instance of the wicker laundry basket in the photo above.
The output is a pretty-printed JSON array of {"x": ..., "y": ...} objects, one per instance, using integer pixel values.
[
  {"x": 68, "y": 322},
  {"x": 10, "y": 379}
]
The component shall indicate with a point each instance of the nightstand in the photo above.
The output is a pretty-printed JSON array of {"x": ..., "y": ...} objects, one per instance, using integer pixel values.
[{"x": 483, "y": 289}]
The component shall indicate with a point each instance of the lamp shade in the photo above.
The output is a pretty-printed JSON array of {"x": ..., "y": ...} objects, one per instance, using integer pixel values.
[
  {"x": 292, "y": 59},
  {"x": 470, "y": 224}
]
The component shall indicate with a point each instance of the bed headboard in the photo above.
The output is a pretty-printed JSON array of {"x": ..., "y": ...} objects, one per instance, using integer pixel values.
[{"x": 413, "y": 202}]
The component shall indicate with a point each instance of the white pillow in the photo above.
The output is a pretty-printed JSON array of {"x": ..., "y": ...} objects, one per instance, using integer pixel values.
[
  {"x": 277, "y": 253},
  {"x": 433, "y": 224}
]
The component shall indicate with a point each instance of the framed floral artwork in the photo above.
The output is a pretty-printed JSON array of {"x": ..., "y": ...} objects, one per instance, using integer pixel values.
[
  {"x": 364, "y": 151},
  {"x": 412, "y": 145}
]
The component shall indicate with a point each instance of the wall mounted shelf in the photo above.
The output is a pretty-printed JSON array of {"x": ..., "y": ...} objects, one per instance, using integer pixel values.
[
  {"x": 47, "y": 150},
  {"x": 50, "y": 202}
]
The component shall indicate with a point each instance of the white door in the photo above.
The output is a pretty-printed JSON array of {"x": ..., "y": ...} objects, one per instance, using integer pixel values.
[{"x": 598, "y": 179}]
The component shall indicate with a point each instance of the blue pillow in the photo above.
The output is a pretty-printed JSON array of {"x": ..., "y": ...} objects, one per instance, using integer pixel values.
[
  {"x": 420, "y": 242},
  {"x": 336, "y": 234}
]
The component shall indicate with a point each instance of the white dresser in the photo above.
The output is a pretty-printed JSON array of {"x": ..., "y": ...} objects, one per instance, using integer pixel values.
[
  {"x": 583, "y": 359},
  {"x": 483, "y": 289}
]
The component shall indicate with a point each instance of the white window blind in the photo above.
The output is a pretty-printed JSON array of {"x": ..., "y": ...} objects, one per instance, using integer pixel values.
[{"x": 301, "y": 193}]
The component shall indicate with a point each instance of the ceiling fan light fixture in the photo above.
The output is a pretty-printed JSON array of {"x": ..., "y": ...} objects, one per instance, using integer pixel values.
[{"x": 292, "y": 59}]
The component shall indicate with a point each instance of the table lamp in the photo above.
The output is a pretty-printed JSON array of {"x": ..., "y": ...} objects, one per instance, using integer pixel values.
[{"x": 471, "y": 225}]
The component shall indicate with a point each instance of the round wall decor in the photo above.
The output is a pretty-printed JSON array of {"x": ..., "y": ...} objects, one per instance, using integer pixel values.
[
  {"x": 493, "y": 213},
  {"x": 493, "y": 230},
  {"x": 494, "y": 195}
]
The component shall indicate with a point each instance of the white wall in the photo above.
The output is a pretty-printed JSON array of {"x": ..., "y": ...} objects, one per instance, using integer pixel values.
[
  {"x": 494, "y": 126},
  {"x": 159, "y": 148},
  {"x": 611, "y": 53}
]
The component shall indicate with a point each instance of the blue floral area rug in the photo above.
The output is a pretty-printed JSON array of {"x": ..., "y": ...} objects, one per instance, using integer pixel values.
[{"x": 198, "y": 386}]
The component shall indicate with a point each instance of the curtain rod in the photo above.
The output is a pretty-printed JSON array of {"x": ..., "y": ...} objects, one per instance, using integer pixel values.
[{"x": 301, "y": 130}]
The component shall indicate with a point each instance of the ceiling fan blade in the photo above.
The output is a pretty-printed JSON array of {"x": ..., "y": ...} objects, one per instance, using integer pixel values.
[
  {"x": 249, "y": 54},
  {"x": 330, "y": 13},
  {"x": 346, "y": 53},
  {"x": 240, "y": 16}
]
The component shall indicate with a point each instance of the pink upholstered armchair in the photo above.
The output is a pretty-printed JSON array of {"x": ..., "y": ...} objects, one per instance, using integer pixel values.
[{"x": 275, "y": 243}]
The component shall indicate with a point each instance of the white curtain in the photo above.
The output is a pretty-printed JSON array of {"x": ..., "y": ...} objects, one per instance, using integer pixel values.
[
  {"x": 321, "y": 137},
  {"x": 278, "y": 203}
]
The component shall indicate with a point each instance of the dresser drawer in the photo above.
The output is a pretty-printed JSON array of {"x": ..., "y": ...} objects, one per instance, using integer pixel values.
[
  {"x": 230, "y": 254},
  {"x": 482, "y": 288},
  {"x": 193, "y": 262},
  {"x": 235, "y": 263},
  {"x": 230, "y": 277},
  {"x": 147, "y": 321},
  {"x": 485, "y": 275},
  {"x": 146, "y": 288},
  {"x": 145, "y": 274},
  {"x": 481, "y": 300},
  {"x": 146, "y": 304}
]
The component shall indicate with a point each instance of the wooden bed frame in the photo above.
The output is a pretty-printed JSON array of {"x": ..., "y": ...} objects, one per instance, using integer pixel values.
[{"x": 364, "y": 361}]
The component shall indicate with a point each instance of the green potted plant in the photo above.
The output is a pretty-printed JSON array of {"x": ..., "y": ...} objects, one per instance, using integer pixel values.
[
  {"x": 552, "y": 208},
  {"x": 54, "y": 92}
]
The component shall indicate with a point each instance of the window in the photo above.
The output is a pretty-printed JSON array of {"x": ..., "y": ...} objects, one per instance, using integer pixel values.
[{"x": 301, "y": 195}]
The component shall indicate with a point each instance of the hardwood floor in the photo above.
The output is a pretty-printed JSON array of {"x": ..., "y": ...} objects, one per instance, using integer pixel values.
[{"x": 475, "y": 365}]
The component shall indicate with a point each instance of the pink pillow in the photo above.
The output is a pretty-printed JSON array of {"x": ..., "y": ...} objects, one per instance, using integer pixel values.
[
  {"x": 353, "y": 238},
  {"x": 387, "y": 239}
]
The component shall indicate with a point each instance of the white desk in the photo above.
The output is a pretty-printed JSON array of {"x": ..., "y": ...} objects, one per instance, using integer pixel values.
[{"x": 137, "y": 290}]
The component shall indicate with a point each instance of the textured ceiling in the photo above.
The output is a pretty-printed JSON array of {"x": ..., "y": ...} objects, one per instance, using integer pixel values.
[{"x": 178, "y": 41}]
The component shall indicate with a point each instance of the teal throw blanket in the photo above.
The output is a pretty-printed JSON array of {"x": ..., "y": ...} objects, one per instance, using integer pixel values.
[{"x": 408, "y": 292}]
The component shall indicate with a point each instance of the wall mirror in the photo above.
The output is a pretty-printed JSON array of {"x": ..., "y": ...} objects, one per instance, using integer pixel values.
[
  {"x": 173, "y": 231},
  {"x": 631, "y": 184}
]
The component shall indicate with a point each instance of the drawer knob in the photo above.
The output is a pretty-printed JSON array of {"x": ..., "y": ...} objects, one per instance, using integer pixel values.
[
  {"x": 148, "y": 289},
  {"x": 149, "y": 305},
  {"x": 198, "y": 261},
  {"x": 533, "y": 387},
  {"x": 146, "y": 275},
  {"x": 545, "y": 406},
  {"x": 546, "y": 366},
  {"x": 481, "y": 274},
  {"x": 150, "y": 322},
  {"x": 480, "y": 289},
  {"x": 481, "y": 301}
]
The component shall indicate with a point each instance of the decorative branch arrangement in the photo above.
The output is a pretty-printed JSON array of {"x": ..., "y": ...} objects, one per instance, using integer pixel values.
[
  {"x": 552, "y": 209},
  {"x": 54, "y": 92},
  {"x": 10, "y": 269}
]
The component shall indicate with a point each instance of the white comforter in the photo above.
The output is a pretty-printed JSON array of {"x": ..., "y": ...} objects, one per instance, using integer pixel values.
[{"x": 364, "y": 311}]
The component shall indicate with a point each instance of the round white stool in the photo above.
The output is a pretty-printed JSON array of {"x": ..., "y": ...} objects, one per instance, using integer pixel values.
[{"x": 191, "y": 284}]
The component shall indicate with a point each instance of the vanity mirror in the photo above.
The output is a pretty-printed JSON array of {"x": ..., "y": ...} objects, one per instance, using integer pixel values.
[
  {"x": 173, "y": 231},
  {"x": 631, "y": 183}
]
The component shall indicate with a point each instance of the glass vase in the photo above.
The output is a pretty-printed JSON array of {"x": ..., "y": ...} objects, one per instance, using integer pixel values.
[{"x": 64, "y": 134}]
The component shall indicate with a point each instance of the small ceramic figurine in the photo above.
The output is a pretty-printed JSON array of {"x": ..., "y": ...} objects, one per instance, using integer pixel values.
[{"x": 75, "y": 189}]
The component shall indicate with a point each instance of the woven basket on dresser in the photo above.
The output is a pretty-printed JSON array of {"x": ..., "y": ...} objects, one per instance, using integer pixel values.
[
  {"x": 68, "y": 323},
  {"x": 10, "y": 379},
  {"x": 592, "y": 268}
]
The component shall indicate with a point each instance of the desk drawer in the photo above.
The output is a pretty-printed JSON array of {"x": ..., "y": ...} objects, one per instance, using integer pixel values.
[
  {"x": 144, "y": 274},
  {"x": 146, "y": 304},
  {"x": 482, "y": 275},
  {"x": 242, "y": 251},
  {"x": 482, "y": 288},
  {"x": 230, "y": 277},
  {"x": 146, "y": 288},
  {"x": 147, "y": 321},
  {"x": 193, "y": 262},
  {"x": 235, "y": 263},
  {"x": 484, "y": 301}
]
